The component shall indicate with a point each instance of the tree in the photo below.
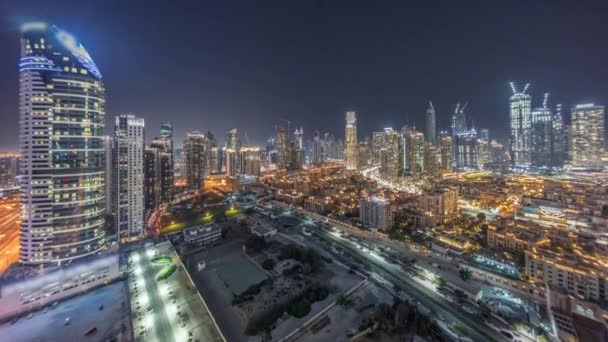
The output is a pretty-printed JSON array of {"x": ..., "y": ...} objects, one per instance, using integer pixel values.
[
  {"x": 268, "y": 264},
  {"x": 465, "y": 274},
  {"x": 299, "y": 308}
]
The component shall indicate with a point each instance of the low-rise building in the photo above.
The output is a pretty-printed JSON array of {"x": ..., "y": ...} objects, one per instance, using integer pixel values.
[
  {"x": 376, "y": 213},
  {"x": 205, "y": 235}
]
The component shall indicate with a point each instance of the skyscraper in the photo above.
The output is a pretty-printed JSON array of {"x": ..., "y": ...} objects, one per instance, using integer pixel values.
[
  {"x": 299, "y": 135},
  {"x": 317, "y": 150},
  {"x": 559, "y": 154},
  {"x": 166, "y": 133},
  {"x": 62, "y": 117},
  {"x": 193, "y": 160},
  {"x": 350, "y": 157},
  {"x": 520, "y": 105},
  {"x": 415, "y": 145},
  {"x": 129, "y": 176},
  {"x": 250, "y": 161},
  {"x": 446, "y": 152},
  {"x": 466, "y": 151},
  {"x": 542, "y": 135},
  {"x": 391, "y": 163},
  {"x": 430, "y": 124},
  {"x": 588, "y": 144}
]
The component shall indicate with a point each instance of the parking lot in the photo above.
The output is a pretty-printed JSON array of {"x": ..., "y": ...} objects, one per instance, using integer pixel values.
[
  {"x": 70, "y": 320},
  {"x": 164, "y": 302}
]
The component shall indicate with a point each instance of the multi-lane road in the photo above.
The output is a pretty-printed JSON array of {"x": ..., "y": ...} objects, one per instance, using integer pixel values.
[
  {"x": 10, "y": 216},
  {"x": 472, "y": 326}
]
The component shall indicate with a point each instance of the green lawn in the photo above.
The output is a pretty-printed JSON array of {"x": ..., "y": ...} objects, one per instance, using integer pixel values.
[
  {"x": 233, "y": 211},
  {"x": 203, "y": 219}
]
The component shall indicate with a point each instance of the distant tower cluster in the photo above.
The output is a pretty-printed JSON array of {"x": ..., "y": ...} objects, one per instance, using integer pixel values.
[{"x": 350, "y": 157}]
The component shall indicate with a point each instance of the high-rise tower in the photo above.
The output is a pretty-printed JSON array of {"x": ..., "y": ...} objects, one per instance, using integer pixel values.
[
  {"x": 129, "y": 176},
  {"x": 520, "y": 105},
  {"x": 62, "y": 117},
  {"x": 588, "y": 145},
  {"x": 194, "y": 160},
  {"x": 350, "y": 157},
  {"x": 430, "y": 124}
]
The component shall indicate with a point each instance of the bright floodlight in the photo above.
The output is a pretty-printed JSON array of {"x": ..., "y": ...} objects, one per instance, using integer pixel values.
[
  {"x": 138, "y": 270},
  {"x": 148, "y": 320},
  {"x": 135, "y": 257},
  {"x": 144, "y": 299},
  {"x": 150, "y": 253},
  {"x": 181, "y": 334}
]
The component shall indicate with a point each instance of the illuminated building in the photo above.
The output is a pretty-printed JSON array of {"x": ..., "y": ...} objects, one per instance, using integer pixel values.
[
  {"x": 378, "y": 139},
  {"x": 250, "y": 161},
  {"x": 466, "y": 150},
  {"x": 230, "y": 157},
  {"x": 194, "y": 160},
  {"x": 430, "y": 164},
  {"x": 542, "y": 135},
  {"x": 350, "y": 157},
  {"x": 283, "y": 148},
  {"x": 9, "y": 170},
  {"x": 317, "y": 150},
  {"x": 108, "y": 146},
  {"x": 376, "y": 213},
  {"x": 62, "y": 101},
  {"x": 299, "y": 135},
  {"x": 439, "y": 204},
  {"x": 333, "y": 148},
  {"x": 520, "y": 105},
  {"x": 158, "y": 174},
  {"x": 166, "y": 133},
  {"x": 415, "y": 145},
  {"x": 459, "y": 120},
  {"x": 446, "y": 152},
  {"x": 364, "y": 155},
  {"x": 587, "y": 136},
  {"x": 558, "y": 138},
  {"x": 391, "y": 164},
  {"x": 430, "y": 124},
  {"x": 129, "y": 175}
]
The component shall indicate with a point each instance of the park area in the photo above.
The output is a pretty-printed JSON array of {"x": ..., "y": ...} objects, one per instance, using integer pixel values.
[{"x": 196, "y": 212}]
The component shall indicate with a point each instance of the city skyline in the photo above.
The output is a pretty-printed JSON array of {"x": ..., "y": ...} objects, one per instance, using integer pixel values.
[{"x": 250, "y": 69}]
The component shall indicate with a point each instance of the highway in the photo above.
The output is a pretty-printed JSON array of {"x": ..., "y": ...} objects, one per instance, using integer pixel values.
[
  {"x": 471, "y": 326},
  {"x": 430, "y": 299},
  {"x": 10, "y": 219}
]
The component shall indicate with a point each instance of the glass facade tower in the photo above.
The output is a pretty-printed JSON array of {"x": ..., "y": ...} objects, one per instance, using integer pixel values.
[{"x": 61, "y": 108}]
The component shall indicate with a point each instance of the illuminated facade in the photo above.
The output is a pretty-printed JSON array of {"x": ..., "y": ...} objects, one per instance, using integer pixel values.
[
  {"x": 430, "y": 124},
  {"x": 250, "y": 161},
  {"x": 447, "y": 163},
  {"x": 129, "y": 176},
  {"x": 194, "y": 160},
  {"x": 587, "y": 136},
  {"x": 520, "y": 118},
  {"x": 376, "y": 213},
  {"x": 351, "y": 154},
  {"x": 62, "y": 117}
]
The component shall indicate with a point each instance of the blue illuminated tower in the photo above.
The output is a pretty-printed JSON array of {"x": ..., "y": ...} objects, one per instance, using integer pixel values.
[{"x": 61, "y": 108}]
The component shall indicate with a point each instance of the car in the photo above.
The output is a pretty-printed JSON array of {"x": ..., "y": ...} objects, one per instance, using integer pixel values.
[
  {"x": 67, "y": 321},
  {"x": 30, "y": 316}
]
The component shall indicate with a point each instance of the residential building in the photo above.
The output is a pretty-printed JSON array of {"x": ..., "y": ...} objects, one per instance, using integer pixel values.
[
  {"x": 376, "y": 213},
  {"x": 61, "y": 118},
  {"x": 129, "y": 176}
]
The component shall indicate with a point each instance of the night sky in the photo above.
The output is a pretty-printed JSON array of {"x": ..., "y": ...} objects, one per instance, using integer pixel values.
[{"x": 223, "y": 64}]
